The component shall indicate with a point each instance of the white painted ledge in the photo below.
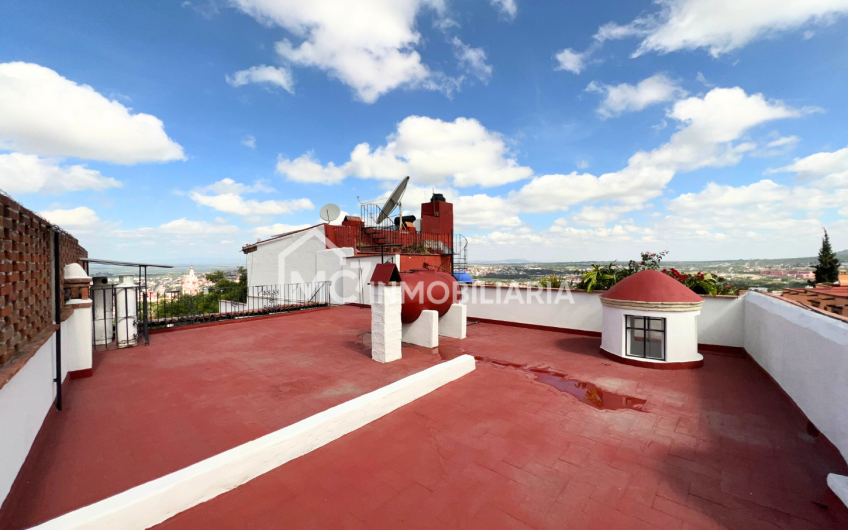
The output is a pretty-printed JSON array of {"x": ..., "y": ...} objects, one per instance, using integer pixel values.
[
  {"x": 158, "y": 500},
  {"x": 839, "y": 485},
  {"x": 424, "y": 331},
  {"x": 454, "y": 323}
]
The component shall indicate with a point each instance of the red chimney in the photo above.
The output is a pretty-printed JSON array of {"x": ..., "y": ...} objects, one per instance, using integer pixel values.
[{"x": 437, "y": 216}]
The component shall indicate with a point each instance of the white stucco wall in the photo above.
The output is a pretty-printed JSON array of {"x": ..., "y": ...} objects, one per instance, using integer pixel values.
[
  {"x": 681, "y": 334},
  {"x": 290, "y": 259},
  {"x": 28, "y": 396},
  {"x": 330, "y": 264},
  {"x": 807, "y": 354},
  {"x": 358, "y": 271},
  {"x": 537, "y": 306},
  {"x": 722, "y": 321}
]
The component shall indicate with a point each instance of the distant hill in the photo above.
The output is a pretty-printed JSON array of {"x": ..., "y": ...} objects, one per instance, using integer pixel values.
[
  {"x": 765, "y": 263},
  {"x": 508, "y": 262}
]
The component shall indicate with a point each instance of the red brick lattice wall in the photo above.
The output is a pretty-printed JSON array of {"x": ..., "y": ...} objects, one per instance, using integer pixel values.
[{"x": 25, "y": 275}]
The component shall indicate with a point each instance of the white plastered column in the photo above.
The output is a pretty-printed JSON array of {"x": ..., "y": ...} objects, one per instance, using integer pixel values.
[
  {"x": 453, "y": 324},
  {"x": 424, "y": 331},
  {"x": 385, "y": 322}
]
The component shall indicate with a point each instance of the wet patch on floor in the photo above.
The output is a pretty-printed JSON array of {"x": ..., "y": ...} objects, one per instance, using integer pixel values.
[{"x": 584, "y": 391}]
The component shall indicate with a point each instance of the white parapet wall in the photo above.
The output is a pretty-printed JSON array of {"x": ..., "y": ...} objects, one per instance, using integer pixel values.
[
  {"x": 534, "y": 306},
  {"x": 807, "y": 354},
  {"x": 26, "y": 399},
  {"x": 151, "y": 503},
  {"x": 721, "y": 322}
]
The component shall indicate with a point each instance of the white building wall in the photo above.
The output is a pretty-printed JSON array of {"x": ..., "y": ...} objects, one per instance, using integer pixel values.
[
  {"x": 807, "y": 354},
  {"x": 357, "y": 274},
  {"x": 28, "y": 396},
  {"x": 290, "y": 259},
  {"x": 331, "y": 267}
]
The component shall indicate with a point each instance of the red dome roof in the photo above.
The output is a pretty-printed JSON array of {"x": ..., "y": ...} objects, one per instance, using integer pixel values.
[{"x": 651, "y": 286}]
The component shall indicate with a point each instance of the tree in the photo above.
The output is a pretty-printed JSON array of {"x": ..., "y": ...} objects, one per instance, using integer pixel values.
[
  {"x": 553, "y": 281},
  {"x": 827, "y": 270}
]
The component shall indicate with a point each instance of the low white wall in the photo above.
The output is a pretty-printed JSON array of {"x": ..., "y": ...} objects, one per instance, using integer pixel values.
[
  {"x": 28, "y": 396},
  {"x": 722, "y": 321},
  {"x": 537, "y": 306},
  {"x": 807, "y": 354}
]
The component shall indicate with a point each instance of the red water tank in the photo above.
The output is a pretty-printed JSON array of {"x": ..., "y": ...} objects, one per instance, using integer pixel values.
[{"x": 427, "y": 289}]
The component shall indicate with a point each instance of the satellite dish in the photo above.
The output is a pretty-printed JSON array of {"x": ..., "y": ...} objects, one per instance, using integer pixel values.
[
  {"x": 330, "y": 212},
  {"x": 392, "y": 201}
]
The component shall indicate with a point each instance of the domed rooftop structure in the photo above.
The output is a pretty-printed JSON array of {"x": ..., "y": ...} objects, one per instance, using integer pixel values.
[{"x": 654, "y": 289}]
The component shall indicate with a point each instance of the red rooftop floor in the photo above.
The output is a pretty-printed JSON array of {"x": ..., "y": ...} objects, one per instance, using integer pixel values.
[
  {"x": 507, "y": 446},
  {"x": 189, "y": 395}
]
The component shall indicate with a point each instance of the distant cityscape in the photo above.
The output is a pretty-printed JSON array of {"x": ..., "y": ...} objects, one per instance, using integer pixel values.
[{"x": 761, "y": 275}]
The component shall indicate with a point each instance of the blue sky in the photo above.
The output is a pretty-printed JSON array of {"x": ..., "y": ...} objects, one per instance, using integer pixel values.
[{"x": 178, "y": 131}]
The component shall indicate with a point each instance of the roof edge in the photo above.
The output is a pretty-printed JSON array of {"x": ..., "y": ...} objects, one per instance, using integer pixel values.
[{"x": 247, "y": 249}]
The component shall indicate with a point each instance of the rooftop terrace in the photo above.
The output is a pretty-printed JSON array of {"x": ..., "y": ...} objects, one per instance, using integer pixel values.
[{"x": 546, "y": 433}]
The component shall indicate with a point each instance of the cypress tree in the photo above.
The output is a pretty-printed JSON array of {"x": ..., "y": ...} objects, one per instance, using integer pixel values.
[{"x": 827, "y": 271}]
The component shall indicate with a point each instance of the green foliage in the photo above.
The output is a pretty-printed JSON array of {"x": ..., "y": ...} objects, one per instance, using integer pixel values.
[
  {"x": 604, "y": 277},
  {"x": 827, "y": 270},
  {"x": 553, "y": 281}
]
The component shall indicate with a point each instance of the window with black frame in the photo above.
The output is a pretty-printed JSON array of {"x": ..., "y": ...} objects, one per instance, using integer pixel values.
[{"x": 645, "y": 337}]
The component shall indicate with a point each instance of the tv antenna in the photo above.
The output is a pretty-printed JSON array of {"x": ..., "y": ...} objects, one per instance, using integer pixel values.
[
  {"x": 392, "y": 201},
  {"x": 330, "y": 212}
]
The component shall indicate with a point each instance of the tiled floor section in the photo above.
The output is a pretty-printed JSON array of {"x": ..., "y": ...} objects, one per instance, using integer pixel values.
[
  {"x": 718, "y": 447},
  {"x": 192, "y": 394}
]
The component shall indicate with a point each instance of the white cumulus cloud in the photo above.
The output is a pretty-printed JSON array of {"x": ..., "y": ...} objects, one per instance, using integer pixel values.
[
  {"x": 267, "y": 75},
  {"x": 77, "y": 220},
  {"x": 507, "y": 8},
  {"x": 43, "y": 113},
  {"x": 306, "y": 168},
  {"x": 629, "y": 98},
  {"x": 720, "y": 26},
  {"x": 572, "y": 61},
  {"x": 472, "y": 60},
  {"x": 432, "y": 151},
  {"x": 225, "y": 196},
  {"x": 21, "y": 173},
  {"x": 366, "y": 44},
  {"x": 710, "y": 125},
  {"x": 819, "y": 165}
]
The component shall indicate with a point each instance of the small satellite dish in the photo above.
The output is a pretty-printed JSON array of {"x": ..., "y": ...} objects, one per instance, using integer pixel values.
[
  {"x": 392, "y": 201},
  {"x": 330, "y": 212}
]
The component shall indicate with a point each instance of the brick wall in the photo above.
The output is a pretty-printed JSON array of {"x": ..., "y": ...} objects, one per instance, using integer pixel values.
[{"x": 25, "y": 275}]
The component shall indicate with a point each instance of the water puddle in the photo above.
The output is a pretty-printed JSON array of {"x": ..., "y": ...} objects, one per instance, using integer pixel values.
[{"x": 584, "y": 391}]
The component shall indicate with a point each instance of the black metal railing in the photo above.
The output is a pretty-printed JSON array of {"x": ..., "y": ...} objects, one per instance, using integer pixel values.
[
  {"x": 124, "y": 314},
  {"x": 174, "y": 308},
  {"x": 387, "y": 238}
]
